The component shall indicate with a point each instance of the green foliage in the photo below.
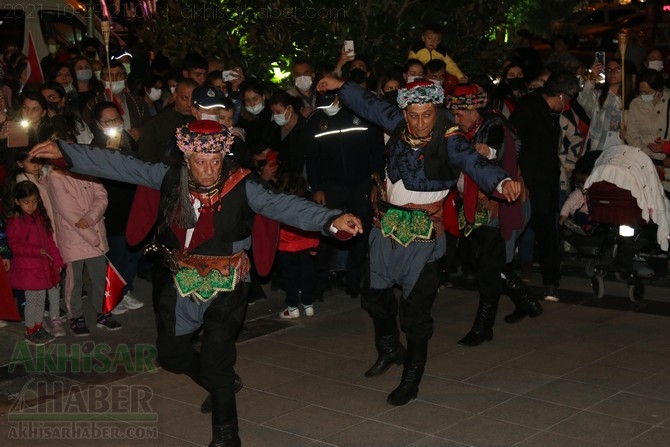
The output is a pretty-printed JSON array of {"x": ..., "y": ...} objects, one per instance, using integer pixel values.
[
  {"x": 538, "y": 16},
  {"x": 279, "y": 32}
]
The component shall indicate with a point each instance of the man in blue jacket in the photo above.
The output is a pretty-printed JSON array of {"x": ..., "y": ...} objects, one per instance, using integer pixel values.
[{"x": 408, "y": 243}]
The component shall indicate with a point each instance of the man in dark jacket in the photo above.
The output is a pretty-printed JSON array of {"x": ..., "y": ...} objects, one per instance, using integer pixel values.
[
  {"x": 536, "y": 120},
  {"x": 343, "y": 152}
]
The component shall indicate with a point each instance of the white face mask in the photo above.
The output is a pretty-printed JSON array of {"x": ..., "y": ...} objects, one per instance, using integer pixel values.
[
  {"x": 172, "y": 89},
  {"x": 436, "y": 82},
  {"x": 84, "y": 75},
  {"x": 647, "y": 98},
  {"x": 97, "y": 74},
  {"x": 116, "y": 86},
  {"x": 280, "y": 118},
  {"x": 155, "y": 94},
  {"x": 208, "y": 117},
  {"x": 69, "y": 88},
  {"x": 256, "y": 109},
  {"x": 332, "y": 109},
  {"x": 127, "y": 67},
  {"x": 655, "y": 65},
  {"x": 53, "y": 49},
  {"x": 413, "y": 78},
  {"x": 303, "y": 83}
]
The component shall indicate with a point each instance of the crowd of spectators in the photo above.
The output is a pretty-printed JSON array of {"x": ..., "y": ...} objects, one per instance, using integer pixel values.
[{"x": 298, "y": 140}]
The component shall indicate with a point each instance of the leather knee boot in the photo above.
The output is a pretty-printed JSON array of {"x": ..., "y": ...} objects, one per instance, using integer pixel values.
[
  {"x": 389, "y": 349},
  {"x": 525, "y": 304},
  {"x": 415, "y": 362},
  {"x": 224, "y": 419},
  {"x": 482, "y": 329},
  {"x": 206, "y": 406}
]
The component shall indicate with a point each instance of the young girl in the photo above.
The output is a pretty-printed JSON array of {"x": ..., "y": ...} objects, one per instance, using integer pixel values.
[
  {"x": 79, "y": 207},
  {"x": 36, "y": 262},
  {"x": 295, "y": 255},
  {"x": 34, "y": 170}
]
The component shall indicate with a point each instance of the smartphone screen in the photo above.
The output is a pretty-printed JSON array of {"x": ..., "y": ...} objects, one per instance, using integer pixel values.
[
  {"x": 17, "y": 135},
  {"x": 349, "y": 46},
  {"x": 600, "y": 57}
]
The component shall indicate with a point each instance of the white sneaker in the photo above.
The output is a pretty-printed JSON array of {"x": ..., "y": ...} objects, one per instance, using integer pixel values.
[
  {"x": 54, "y": 327},
  {"x": 309, "y": 311},
  {"x": 130, "y": 302},
  {"x": 3, "y": 323},
  {"x": 120, "y": 308},
  {"x": 290, "y": 312}
]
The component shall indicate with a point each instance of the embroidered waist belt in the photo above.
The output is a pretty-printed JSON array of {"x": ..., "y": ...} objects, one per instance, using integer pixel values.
[
  {"x": 203, "y": 276},
  {"x": 406, "y": 224}
]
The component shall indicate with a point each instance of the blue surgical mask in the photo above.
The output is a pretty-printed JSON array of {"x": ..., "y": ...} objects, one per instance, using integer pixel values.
[{"x": 647, "y": 98}]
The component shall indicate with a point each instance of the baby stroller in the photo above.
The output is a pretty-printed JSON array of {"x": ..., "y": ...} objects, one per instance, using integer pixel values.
[{"x": 628, "y": 204}]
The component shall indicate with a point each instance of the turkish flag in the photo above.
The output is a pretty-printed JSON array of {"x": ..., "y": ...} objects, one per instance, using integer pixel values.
[
  {"x": 114, "y": 284},
  {"x": 8, "y": 310},
  {"x": 35, "y": 70}
]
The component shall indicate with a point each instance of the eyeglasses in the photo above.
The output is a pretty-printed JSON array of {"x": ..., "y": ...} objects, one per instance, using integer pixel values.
[
  {"x": 613, "y": 70},
  {"x": 111, "y": 122}
]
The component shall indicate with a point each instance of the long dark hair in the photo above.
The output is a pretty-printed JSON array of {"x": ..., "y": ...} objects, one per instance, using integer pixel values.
[
  {"x": 627, "y": 83},
  {"x": 23, "y": 190}
]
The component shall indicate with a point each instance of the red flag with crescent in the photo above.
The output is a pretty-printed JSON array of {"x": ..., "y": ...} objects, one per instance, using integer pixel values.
[
  {"x": 114, "y": 284},
  {"x": 35, "y": 76}
]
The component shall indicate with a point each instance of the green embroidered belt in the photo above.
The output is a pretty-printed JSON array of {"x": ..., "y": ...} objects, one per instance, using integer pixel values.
[
  {"x": 405, "y": 225},
  {"x": 202, "y": 277}
]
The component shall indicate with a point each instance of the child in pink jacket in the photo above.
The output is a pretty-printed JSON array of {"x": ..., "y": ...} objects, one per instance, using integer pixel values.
[
  {"x": 36, "y": 262},
  {"x": 79, "y": 207}
]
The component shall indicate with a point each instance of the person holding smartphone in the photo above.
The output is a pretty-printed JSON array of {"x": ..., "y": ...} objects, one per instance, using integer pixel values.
[{"x": 603, "y": 103}]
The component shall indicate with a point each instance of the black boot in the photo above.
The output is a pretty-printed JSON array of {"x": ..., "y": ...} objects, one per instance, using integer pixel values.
[
  {"x": 206, "y": 406},
  {"x": 482, "y": 329},
  {"x": 389, "y": 348},
  {"x": 415, "y": 361},
  {"x": 224, "y": 419},
  {"x": 524, "y": 302},
  {"x": 225, "y": 436}
]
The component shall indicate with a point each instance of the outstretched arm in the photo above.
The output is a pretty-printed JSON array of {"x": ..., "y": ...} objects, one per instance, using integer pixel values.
[
  {"x": 103, "y": 163},
  {"x": 364, "y": 103}
]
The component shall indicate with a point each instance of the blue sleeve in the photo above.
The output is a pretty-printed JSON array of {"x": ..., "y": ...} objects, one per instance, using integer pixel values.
[
  {"x": 367, "y": 105},
  {"x": 486, "y": 174},
  {"x": 292, "y": 210},
  {"x": 112, "y": 165}
]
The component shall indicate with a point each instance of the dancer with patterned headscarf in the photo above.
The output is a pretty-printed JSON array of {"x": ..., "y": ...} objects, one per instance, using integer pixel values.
[
  {"x": 204, "y": 225},
  {"x": 408, "y": 243},
  {"x": 489, "y": 226}
]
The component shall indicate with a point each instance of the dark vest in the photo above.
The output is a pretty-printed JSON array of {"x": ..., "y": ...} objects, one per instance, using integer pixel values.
[
  {"x": 425, "y": 169},
  {"x": 233, "y": 218}
]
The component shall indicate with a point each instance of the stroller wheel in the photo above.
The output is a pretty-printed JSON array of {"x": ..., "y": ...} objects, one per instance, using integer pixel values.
[
  {"x": 598, "y": 285},
  {"x": 590, "y": 268},
  {"x": 636, "y": 290},
  {"x": 622, "y": 276}
]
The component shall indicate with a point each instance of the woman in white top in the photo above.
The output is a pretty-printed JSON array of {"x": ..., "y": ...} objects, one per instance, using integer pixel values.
[
  {"x": 648, "y": 116},
  {"x": 603, "y": 103}
]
